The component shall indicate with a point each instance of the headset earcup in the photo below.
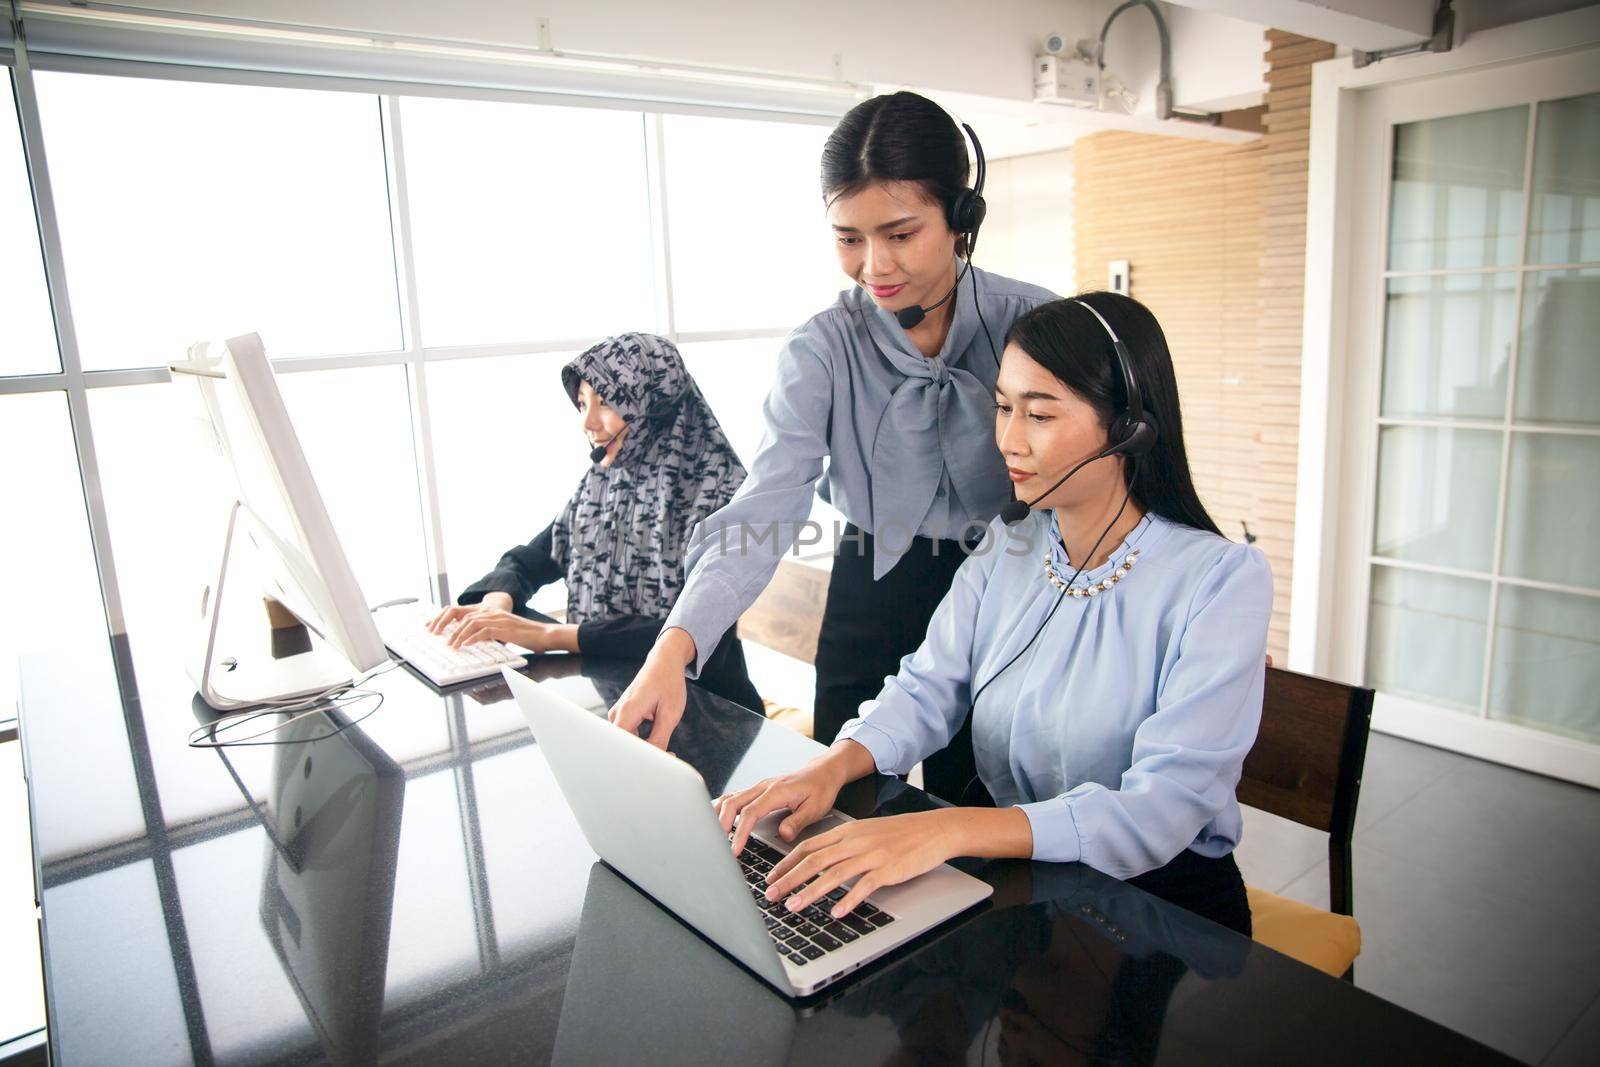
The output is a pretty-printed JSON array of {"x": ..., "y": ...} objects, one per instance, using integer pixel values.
[
  {"x": 966, "y": 212},
  {"x": 1132, "y": 437},
  {"x": 957, "y": 213},
  {"x": 977, "y": 209}
]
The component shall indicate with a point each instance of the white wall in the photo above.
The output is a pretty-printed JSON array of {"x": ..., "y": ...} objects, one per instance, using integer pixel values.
[
  {"x": 955, "y": 45},
  {"x": 1028, "y": 232},
  {"x": 1368, "y": 24},
  {"x": 978, "y": 51}
]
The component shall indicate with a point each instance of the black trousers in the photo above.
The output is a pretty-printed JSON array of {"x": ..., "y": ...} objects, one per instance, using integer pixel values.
[
  {"x": 868, "y": 626},
  {"x": 1211, "y": 888},
  {"x": 726, "y": 675}
]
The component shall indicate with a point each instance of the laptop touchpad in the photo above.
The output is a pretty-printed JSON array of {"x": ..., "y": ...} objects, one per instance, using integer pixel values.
[
  {"x": 767, "y": 828},
  {"x": 821, "y": 826}
]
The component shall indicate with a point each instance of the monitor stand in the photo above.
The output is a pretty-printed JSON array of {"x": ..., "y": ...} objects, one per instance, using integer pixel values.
[{"x": 236, "y": 685}]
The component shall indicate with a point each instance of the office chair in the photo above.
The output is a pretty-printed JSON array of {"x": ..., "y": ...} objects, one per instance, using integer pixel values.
[{"x": 1306, "y": 766}]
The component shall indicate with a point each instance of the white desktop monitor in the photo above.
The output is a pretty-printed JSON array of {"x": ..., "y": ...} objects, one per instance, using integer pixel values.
[{"x": 300, "y": 560}]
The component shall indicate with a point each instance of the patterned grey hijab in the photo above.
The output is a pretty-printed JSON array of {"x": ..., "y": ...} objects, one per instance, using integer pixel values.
[{"x": 621, "y": 537}]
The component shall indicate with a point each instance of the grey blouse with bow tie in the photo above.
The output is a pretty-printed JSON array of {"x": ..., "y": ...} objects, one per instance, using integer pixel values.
[{"x": 903, "y": 444}]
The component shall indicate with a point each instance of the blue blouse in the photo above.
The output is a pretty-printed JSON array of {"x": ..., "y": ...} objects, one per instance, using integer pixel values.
[
  {"x": 903, "y": 446},
  {"x": 1122, "y": 731}
]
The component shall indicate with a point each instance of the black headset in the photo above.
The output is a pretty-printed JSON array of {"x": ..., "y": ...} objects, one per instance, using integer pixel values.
[
  {"x": 1133, "y": 431},
  {"x": 966, "y": 210},
  {"x": 965, "y": 213}
]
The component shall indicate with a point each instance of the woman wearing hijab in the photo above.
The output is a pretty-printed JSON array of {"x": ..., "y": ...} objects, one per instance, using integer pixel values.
[{"x": 661, "y": 465}]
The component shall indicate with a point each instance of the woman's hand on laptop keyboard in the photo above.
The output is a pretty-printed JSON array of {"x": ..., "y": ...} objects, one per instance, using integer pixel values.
[
  {"x": 875, "y": 852},
  {"x": 806, "y": 794},
  {"x": 893, "y": 849}
]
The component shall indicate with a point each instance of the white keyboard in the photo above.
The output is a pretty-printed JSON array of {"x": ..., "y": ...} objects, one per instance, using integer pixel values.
[{"x": 405, "y": 630}]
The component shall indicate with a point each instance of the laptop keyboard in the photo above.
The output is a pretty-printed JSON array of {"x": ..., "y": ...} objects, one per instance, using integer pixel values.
[{"x": 810, "y": 933}]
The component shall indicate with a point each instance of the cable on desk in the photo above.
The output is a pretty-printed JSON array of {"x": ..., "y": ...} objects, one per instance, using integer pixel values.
[{"x": 208, "y": 736}]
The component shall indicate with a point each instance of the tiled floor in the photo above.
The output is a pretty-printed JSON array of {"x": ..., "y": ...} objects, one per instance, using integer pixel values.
[{"x": 1475, "y": 887}]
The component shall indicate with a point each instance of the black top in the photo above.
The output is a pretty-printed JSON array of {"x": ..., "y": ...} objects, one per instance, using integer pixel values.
[
  {"x": 414, "y": 888},
  {"x": 526, "y": 569}
]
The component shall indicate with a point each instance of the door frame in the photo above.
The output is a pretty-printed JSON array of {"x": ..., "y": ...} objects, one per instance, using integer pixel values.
[{"x": 1352, "y": 113}]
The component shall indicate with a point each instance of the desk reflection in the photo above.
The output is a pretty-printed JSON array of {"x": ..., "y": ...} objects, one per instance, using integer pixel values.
[
  {"x": 724, "y": 742},
  {"x": 332, "y": 820},
  {"x": 480, "y": 929},
  {"x": 1067, "y": 968}
]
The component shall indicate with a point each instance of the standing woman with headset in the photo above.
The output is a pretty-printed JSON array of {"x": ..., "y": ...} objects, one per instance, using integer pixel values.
[{"x": 887, "y": 396}]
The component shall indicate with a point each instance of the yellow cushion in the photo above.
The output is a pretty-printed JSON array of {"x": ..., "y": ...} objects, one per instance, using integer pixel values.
[
  {"x": 1322, "y": 939},
  {"x": 794, "y": 718}
]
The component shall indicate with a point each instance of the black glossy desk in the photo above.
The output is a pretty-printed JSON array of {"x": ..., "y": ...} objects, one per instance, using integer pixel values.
[{"x": 413, "y": 889}]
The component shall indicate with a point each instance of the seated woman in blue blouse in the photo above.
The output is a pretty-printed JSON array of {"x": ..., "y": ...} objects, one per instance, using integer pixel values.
[{"x": 1109, "y": 646}]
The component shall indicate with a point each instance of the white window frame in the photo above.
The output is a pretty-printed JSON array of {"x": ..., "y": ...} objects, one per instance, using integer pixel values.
[
  {"x": 414, "y": 355},
  {"x": 1341, "y": 364}
]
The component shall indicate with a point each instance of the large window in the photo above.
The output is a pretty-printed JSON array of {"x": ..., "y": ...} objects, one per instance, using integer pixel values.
[
  {"x": 187, "y": 211},
  {"x": 192, "y": 212},
  {"x": 419, "y": 269},
  {"x": 750, "y": 240},
  {"x": 51, "y": 591},
  {"x": 27, "y": 337},
  {"x": 530, "y": 223},
  {"x": 509, "y": 452},
  {"x": 735, "y": 377},
  {"x": 363, "y": 237}
]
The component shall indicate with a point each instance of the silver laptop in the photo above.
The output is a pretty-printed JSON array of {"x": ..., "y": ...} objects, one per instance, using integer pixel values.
[{"x": 648, "y": 814}]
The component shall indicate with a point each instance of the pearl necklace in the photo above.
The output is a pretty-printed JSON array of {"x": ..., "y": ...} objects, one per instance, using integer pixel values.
[{"x": 1093, "y": 588}]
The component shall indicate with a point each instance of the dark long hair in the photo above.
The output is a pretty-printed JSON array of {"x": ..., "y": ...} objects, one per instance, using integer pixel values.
[
  {"x": 1065, "y": 339},
  {"x": 900, "y": 137}
]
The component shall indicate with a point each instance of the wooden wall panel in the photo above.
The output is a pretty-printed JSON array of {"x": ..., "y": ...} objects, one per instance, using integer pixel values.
[{"x": 1216, "y": 238}]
